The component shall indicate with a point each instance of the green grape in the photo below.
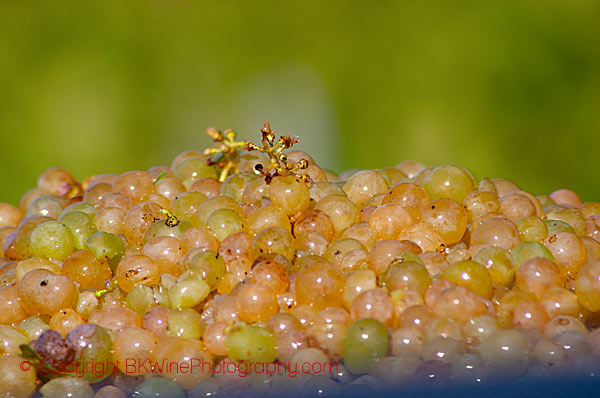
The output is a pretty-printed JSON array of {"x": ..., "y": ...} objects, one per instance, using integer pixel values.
[
  {"x": 450, "y": 182},
  {"x": 11, "y": 339},
  {"x": 91, "y": 343},
  {"x": 34, "y": 326},
  {"x": 185, "y": 204},
  {"x": 532, "y": 229},
  {"x": 161, "y": 295},
  {"x": 210, "y": 267},
  {"x": 159, "y": 387},
  {"x": 162, "y": 228},
  {"x": 184, "y": 323},
  {"x": 406, "y": 275},
  {"x": 106, "y": 245},
  {"x": 81, "y": 227},
  {"x": 526, "y": 250},
  {"x": 140, "y": 299},
  {"x": 235, "y": 184},
  {"x": 86, "y": 303},
  {"x": 472, "y": 275},
  {"x": 545, "y": 201},
  {"x": 366, "y": 341},
  {"x": 63, "y": 387},
  {"x": 499, "y": 264},
  {"x": 250, "y": 343},
  {"x": 193, "y": 169},
  {"x": 52, "y": 240},
  {"x": 188, "y": 291},
  {"x": 47, "y": 205},
  {"x": 555, "y": 226},
  {"x": 82, "y": 207},
  {"x": 210, "y": 205},
  {"x": 225, "y": 222}
]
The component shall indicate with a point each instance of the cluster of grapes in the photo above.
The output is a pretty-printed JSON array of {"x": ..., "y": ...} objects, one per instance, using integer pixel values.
[{"x": 244, "y": 253}]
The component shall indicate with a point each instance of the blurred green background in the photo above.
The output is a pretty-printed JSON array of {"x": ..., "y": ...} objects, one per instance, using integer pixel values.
[{"x": 508, "y": 88}]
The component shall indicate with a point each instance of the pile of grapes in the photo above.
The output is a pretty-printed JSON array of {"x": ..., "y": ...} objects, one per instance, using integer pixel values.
[{"x": 253, "y": 254}]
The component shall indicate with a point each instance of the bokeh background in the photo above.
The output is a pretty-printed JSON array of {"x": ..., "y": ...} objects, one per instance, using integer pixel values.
[{"x": 506, "y": 88}]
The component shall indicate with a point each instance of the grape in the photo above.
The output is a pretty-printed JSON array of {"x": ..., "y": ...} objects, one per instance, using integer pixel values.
[
  {"x": 273, "y": 240},
  {"x": 388, "y": 221},
  {"x": 363, "y": 185},
  {"x": 537, "y": 275},
  {"x": 184, "y": 323},
  {"x": 209, "y": 266},
  {"x": 250, "y": 343},
  {"x": 47, "y": 205},
  {"x": 110, "y": 392},
  {"x": 107, "y": 246},
  {"x": 532, "y": 229},
  {"x": 117, "y": 319},
  {"x": 24, "y": 266},
  {"x": 507, "y": 352},
  {"x": 499, "y": 264},
  {"x": 65, "y": 320},
  {"x": 34, "y": 326},
  {"x": 471, "y": 275},
  {"x": 450, "y": 182},
  {"x": 290, "y": 194},
  {"x": 319, "y": 285},
  {"x": 527, "y": 250},
  {"x": 186, "y": 204},
  {"x": 52, "y": 347},
  {"x": 166, "y": 252},
  {"x": 87, "y": 270},
  {"x": 555, "y": 226},
  {"x": 207, "y": 207},
  {"x": 159, "y": 387},
  {"x": 224, "y": 222},
  {"x": 96, "y": 192},
  {"x": 11, "y": 339},
  {"x": 52, "y": 240},
  {"x": 9, "y": 215},
  {"x": 140, "y": 299},
  {"x": 234, "y": 185},
  {"x": 43, "y": 292},
  {"x": 266, "y": 217},
  {"x": 90, "y": 343},
  {"x": 188, "y": 291},
  {"x": 134, "y": 184},
  {"x": 14, "y": 381},
  {"x": 81, "y": 227},
  {"x": 133, "y": 345},
  {"x": 256, "y": 302},
  {"x": 447, "y": 217},
  {"x": 190, "y": 170},
  {"x": 365, "y": 342},
  {"x": 568, "y": 215},
  {"x": 406, "y": 275},
  {"x": 137, "y": 269},
  {"x": 342, "y": 212},
  {"x": 587, "y": 286}
]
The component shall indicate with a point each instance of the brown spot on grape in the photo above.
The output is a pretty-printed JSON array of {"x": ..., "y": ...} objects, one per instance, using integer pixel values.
[{"x": 553, "y": 239}]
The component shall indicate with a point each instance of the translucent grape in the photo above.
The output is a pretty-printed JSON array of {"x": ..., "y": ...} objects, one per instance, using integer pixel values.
[
  {"x": 319, "y": 285},
  {"x": 471, "y": 275},
  {"x": 137, "y": 269},
  {"x": 527, "y": 250},
  {"x": 43, "y": 292},
  {"x": 90, "y": 342},
  {"x": 184, "y": 323},
  {"x": 189, "y": 291},
  {"x": 365, "y": 342},
  {"x": 108, "y": 246},
  {"x": 47, "y": 205},
  {"x": 134, "y": 344},
  {"x": 52, "y": 240},
  {"x": 363, "y": 185},
  {"x": 224, "y": 222},
  {"x": 159, "y": 387},
  {"x": 250, "y": 343}
]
